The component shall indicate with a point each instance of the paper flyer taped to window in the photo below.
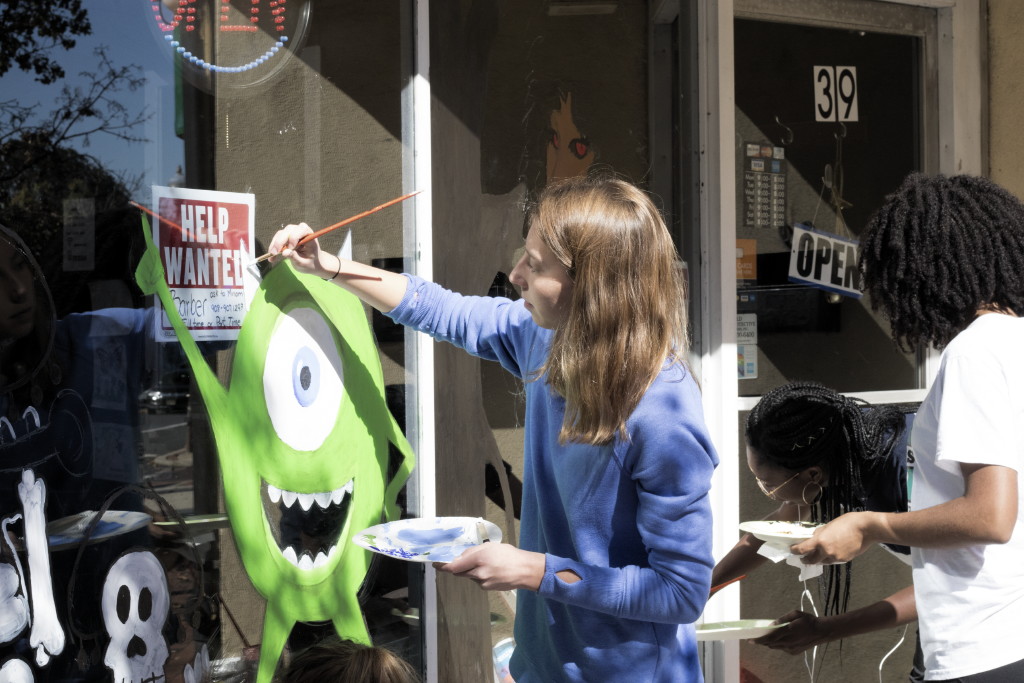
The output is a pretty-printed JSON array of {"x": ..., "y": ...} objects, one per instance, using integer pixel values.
[{"x": 205, "y": 239}]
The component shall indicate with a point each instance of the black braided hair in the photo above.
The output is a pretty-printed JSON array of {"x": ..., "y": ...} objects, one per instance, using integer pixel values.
[
  {"x": 803, "y": 424},
  {"x": 939, "y": 249}
]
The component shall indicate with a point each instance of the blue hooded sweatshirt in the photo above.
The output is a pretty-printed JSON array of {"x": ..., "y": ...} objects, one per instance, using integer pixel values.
[{"x": 631, "y": 518}]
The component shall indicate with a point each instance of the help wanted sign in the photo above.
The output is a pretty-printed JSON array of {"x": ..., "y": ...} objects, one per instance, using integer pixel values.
[{"x": 205, "y": 240}]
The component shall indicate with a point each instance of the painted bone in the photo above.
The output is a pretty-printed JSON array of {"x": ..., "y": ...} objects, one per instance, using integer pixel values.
[{"x": 46, "y": 636}]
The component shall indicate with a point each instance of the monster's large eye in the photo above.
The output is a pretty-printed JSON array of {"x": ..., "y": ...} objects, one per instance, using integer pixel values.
[{"x": 303, "y": 381}]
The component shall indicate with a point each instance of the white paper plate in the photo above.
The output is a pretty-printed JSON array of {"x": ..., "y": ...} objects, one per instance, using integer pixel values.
[
  {"x": 779, "y": 533},
  {"x": 736, "y": 630},
  {"x": 426, "y": 539}
]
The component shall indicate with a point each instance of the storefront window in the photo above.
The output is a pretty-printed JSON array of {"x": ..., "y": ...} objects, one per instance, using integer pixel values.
[
  {"x": 828, "y": 121},
  {"x": 242, "y": 116},
  {"x": 560, "y": 90}
]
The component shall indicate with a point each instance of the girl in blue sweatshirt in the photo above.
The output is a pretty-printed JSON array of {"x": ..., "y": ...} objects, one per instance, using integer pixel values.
[{"x": 614, "y": 561}]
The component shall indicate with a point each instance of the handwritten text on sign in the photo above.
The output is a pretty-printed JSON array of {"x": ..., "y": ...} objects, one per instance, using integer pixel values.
[
  {"x": 205, "y": 241},
  {"x": 825, "y": 261}
]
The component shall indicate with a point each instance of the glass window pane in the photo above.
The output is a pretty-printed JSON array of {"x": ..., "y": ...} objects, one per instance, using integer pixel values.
[
  {"x": 828, "y": 122},
  {"x": 302, "y": 118}
]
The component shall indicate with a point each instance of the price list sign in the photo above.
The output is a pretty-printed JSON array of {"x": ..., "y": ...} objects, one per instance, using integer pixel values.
[{"x": 764, "y": 186}]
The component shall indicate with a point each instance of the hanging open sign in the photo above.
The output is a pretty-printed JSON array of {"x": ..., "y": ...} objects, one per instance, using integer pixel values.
[{"x": 825, "y": 261}]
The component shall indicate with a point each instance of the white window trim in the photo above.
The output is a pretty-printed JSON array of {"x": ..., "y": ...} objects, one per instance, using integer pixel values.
[{"x": 419, "y": 351}]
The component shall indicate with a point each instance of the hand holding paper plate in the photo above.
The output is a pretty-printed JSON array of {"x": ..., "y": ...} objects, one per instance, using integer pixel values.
[
  {"x": 779, "y": 533},
  {"x": 736, "y": 630},
  {"x": 428, "y": 539},
  {"x": 778, "y": 537}
]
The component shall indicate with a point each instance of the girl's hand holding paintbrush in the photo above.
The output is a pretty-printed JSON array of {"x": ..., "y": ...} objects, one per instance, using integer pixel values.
[{"x": 381, "y": 289}]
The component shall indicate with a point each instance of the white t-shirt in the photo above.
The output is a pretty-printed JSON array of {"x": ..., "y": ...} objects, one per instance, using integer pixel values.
[{"x": 970, "y": 600}]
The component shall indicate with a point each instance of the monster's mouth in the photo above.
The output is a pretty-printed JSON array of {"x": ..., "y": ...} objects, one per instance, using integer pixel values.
[{"x": 307, "y": 526}]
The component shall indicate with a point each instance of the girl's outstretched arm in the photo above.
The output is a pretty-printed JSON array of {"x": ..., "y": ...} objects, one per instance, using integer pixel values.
[{"x": 381, "y": 289}]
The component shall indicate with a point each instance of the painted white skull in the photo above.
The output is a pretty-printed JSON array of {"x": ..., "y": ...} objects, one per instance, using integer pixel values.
[
  {"x": 135, "y": 605},
  {"x": 13, "y": 605},
  {"x": 16, "y": 671}
]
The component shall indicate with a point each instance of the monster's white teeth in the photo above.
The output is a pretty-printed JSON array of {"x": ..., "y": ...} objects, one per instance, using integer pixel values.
[
  {"x": 337, "y": 495},
  {"x": 324, "y": 499},
  {"x": 306, "y": 562},
  {"x": 322, "y": 526}
]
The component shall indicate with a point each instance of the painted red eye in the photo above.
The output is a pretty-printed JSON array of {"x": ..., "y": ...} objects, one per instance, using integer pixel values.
[
  {"x": 579, "y": 147},
  {"x": 554, "y": 140}
]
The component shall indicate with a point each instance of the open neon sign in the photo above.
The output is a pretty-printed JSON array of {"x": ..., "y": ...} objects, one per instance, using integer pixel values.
[{"x": 186, "y": 16}]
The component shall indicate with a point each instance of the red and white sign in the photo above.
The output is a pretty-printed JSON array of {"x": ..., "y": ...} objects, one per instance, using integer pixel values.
[{"x": 205, "y": 240}]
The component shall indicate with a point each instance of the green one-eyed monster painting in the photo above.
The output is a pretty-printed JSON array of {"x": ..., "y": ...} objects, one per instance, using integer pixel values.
[{"x": 303, "y": 429}]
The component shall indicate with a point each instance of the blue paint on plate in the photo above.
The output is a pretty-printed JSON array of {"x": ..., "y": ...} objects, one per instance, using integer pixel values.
[{"x": 429, "y": 537}]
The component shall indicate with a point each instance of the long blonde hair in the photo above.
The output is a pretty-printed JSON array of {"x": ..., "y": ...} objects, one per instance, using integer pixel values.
[{"x": 627, "y": 316}]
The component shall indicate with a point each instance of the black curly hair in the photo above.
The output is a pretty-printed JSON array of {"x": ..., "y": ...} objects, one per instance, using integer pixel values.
[
  {"x": 938, "y": 250},
  {"x": 805, "y": 424}
]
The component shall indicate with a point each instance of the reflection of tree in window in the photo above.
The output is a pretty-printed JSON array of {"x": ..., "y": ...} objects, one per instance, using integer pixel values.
[
  {"x": 39, "y": 169},
  {"x": 34, "y": 29}
]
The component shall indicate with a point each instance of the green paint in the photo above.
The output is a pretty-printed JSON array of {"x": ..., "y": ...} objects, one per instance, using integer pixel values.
[{"x": 260, "y": 414}]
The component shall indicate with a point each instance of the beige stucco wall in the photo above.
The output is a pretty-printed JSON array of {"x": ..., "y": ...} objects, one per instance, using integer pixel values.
[{"x": 1006, "y": 94}]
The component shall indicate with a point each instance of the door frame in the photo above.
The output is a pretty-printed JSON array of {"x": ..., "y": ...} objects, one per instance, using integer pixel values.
[{"x": 957, "y": 121}]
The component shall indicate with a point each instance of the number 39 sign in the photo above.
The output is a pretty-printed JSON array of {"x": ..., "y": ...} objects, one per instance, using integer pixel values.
[{"x": 835, "y": 93}]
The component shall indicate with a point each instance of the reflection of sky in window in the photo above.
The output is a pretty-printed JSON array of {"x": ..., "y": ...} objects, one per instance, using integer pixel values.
[{"x": 127, "y": 29}]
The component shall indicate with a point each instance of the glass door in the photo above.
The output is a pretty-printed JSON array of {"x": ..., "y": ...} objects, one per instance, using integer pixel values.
[
  {"x": 830, "y": 116},
  {"x": 834, "y": 105}
]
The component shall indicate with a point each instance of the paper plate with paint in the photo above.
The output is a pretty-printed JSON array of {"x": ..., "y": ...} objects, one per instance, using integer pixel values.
[
  {"x": 780, "y": 533},
  {"x": 68, "y": 531},
  {"x": 428, "y": 539},
  {"x": 736, "y": 630}
]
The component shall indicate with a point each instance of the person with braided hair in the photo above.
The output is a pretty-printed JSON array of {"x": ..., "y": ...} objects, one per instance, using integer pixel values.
[
  {"x": 944, "y": 260},
  {"x": 819, "y": 454}
]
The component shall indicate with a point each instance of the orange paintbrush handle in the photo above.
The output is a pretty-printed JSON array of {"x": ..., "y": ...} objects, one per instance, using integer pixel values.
[
  {"x": 140, "y": 207},
  {"x": 348, "y": 220},
  {"x": 715, "y": 589},
  {"x": 313, "y": 236},
  {"x": 352, "y": 219}
]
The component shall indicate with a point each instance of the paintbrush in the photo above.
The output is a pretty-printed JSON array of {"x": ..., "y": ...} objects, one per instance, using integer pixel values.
[
  {"x": 339, "y": 224},
  {"x": 140, "y": 207},
  {"x": 722, "y": 585}
]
